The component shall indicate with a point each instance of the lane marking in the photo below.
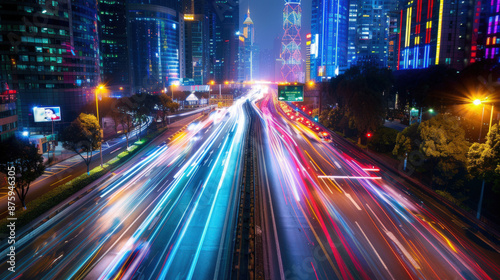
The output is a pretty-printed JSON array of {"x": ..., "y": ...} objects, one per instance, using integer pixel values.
[
  {"x": 374, "y": 250},
  {"x": 352, "y": 200},
  {"x": 402, "y": 248},
  {"x": 61, "y": 180}
]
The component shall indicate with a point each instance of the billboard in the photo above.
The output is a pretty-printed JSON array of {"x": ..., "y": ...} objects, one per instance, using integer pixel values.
[
  {"x": 47, "y": 114},
  {"x": 291, "y": 93}
]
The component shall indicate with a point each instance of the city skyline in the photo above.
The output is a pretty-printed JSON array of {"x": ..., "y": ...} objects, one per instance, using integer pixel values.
[{"x": 249, "y": 139}]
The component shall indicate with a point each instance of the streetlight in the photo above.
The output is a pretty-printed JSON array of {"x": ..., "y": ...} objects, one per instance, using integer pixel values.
[
  {"x": 420, "y": 114},
  {"x": 100, "y": 87},
  {"x": 478, "y": 102},
  {"x": 54, "y": 148}
]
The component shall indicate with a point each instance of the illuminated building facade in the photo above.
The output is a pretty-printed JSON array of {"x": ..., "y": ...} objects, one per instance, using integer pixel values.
[
  {"x": 437, "y": 32},
  {"x": 329, "y": 31},
  {"x": 492, "y": 34},
  {"x": 113, "y": 46},
  {"x": 351, "y": 33},
  {"x": 196, "y": 41},
  {"x": 224, "y": 24},
  {"x": 248, "y": 51},
  {"x": 308, "y": 56},
  {"x": 8, "y": 112},
  {"x": 291, "y": 68},
  {"x": 54, "y": 60},
  {"x": 155, "y": 34}
]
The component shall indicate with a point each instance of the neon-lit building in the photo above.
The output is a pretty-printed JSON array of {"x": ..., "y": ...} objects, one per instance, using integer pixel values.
[
  {"x": 492, "y": 17},
  {"x": 54, "y": 60},
  {"x": 291, "y": 68},
  {"x": 113, "y": 46},
  {"x": 8, "y": 112},
  {"x": 437, "y": 32},
  {"x": 155, "y": 44},
  {"x": 248, "y": 52},
  {"x": 308, "y": 56},
  {"x": 329, "y": 29}
]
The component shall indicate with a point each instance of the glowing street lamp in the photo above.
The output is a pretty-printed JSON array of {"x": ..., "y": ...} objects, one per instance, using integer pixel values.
[
  {"x": 478, "y": 102},
  {"x": 100, "y": 87}
]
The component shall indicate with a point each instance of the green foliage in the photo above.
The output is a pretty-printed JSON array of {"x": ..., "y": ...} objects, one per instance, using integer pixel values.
[
  {"x": 443, "y": 141},
  {"x": 83, "y": 136},
  {"x": 384, "y": 140},
  {"x": 450, "y": 197},
  {"x": 47, "y": 201},
  {"x": 362, "y": 94},
  {"x": 26, "y": 161},
  {"x": 166, "y": 106},
  {"x": 407, "y": 140},
  {"x": 483, "y": 160}
]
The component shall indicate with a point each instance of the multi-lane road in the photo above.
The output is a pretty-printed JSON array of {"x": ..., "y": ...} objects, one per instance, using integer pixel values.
[
  {"x": 325, "y": 211},
  {"x": 167, "y": 214},
  {"x": 330, "y": 213}
]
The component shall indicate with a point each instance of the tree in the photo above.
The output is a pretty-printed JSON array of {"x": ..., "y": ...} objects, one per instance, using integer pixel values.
[
  {"x": 26, "y": 163},
  {"x": 443, "y": 142},
  {"x": 82, "y": 137},
  {"x": 166, "y": 107},
  {"x": 384, "y": 139},
  {"x": 483, "y": 160},
  {"x": 362, "y": 90},
  {"x": 407, "y": 141}
]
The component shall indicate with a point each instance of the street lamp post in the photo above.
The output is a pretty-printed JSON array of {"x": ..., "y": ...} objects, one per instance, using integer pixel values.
[
  {"x": 99, "y": 121},
  {"x": 479, "y": 102},
  {"x": 54, "y": 148}
]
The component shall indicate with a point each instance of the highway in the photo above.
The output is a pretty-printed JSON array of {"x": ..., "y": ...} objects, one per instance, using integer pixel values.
[
  {"x": 325, "y": 211},
  {"x": 167, "y": 213},
  {"x": 73, "y": 167},
  {"x": 328, "y": 212}
]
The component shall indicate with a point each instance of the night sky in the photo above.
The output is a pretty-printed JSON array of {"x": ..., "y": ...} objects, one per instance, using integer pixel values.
[{"x": 267, "y": 16}]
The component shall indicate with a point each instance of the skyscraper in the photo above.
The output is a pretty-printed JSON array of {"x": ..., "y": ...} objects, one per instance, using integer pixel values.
[
  {"x": 372, "y": 32},
  {"x": 52, "y": 57},
  {"x": 308, "y": 56},
  {"x": 155, "y": 33},
  {"x": 492, "y": 34},
  {"x": 247, "y": 51},
  {"x": 436, "y": 32},
  {"x": 290, "y": 50},
  {"x": 224, "y": 20},
  {"x": 196, "y": 41},
  {"x": 352, "y": 33},
  {"x": 369, "y": 32},
  {"x": 113, "y": 45},
  {"x": 329, "y": 31}
]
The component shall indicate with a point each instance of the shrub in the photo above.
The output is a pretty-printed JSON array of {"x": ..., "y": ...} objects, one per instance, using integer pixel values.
[{"x": 384, "y": 140}]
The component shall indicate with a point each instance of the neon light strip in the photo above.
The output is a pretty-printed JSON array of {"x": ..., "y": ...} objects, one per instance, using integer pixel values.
[
  {"x": 399, "y": 47},
  {"x": 351, "y": 177},
  {"x": 440, "y": 29},
  {"x": 408, "y": 26}
]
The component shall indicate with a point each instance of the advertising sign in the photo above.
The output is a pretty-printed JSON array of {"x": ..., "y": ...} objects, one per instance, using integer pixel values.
[
  {"x": 47, "y": 114},
  {"x": 291, "y": 93}
]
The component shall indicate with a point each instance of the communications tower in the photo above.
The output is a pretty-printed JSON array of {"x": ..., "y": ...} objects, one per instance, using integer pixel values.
[{"x": 290, "y": 44}]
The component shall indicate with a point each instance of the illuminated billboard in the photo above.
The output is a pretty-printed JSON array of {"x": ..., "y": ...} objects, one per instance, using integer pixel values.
[
  {"x": 47, "y": 114},
  {"x": 291, "y": 93}
]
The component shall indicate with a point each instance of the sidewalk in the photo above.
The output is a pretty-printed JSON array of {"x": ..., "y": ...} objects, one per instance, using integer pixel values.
[{"x": 61, "y": 154}]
